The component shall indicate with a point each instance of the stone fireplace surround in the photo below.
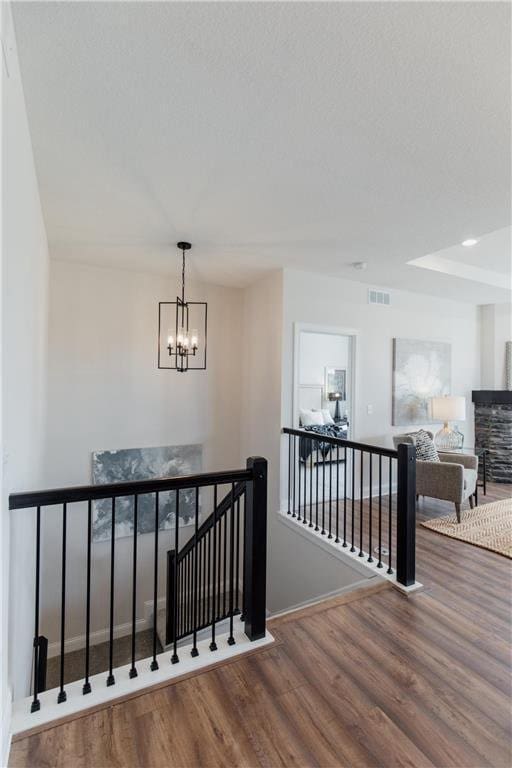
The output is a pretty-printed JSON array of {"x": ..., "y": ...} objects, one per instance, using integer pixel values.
[{"x": 493, "y": 431}]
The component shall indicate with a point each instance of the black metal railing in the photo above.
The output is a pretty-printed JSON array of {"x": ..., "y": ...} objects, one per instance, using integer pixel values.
[
  {"x": 361, "y": 496},
  {"x": 231, "y": 541},
  {"x": 202, "y": 583}
]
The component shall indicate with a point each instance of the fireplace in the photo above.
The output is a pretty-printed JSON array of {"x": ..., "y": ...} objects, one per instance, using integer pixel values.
[{"x": 493, "y": 432}]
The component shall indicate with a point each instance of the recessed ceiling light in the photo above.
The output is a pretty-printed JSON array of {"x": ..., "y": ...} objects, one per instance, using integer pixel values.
[{"x": 469, "y": 242}]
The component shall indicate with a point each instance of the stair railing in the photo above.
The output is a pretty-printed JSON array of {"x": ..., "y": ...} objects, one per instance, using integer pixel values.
[
  {"x": 196, "y": 591},
  {"x": 249, "y": 483},
  {"x": 360, "y": 496}
]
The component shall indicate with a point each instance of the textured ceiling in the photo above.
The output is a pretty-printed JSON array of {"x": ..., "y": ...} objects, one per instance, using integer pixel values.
[{"x": 271, "y": 134}]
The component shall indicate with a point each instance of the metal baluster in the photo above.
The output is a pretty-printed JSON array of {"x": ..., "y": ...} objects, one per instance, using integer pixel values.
[
  {"x": 202, "y": 566},
  {"x": 379, "y": 564},
  {"x": 87, "y": 685},
  {"x": 133, "y": 671},
  {"x": 289, "y": 473},
  {"x": 345, "y": 497},
  {"x": 237, "y": 608},
  {"x": 390, "y": 569},
  {"x": 352, "y": 548},
  {"x": 213, "y": 644},
  {"x": 36, "y": 704},
  {"x": 208, "y": 579},
  {"x": 62, "y": 693},
  {"x": 110, "y": 678},
  {"x": 316, "y": 478},
  {"x": 219, "y": 569},
  {"x": 190, "y": 590},
  {"x": 305, "y": 463},
  {"x": 225, "y": 563},
  {"x": 244, "y": 553},
  {"x": 183, "y": 597},
  {"x": 330, "y": 494},
  {"x": 337, "y": 539},
  {"x": 194, "y": 651},
  {"x": 323, "y": 494},
  {"x": 370, "y": 509},
  {"x": 311, "y": 484},
  {"x": 361, "y": 490},
  {"x": 186, "y": 596},
  {"x": 174, "y": 657},
  {"x": 294, "y": 462},
  {"x": 299, "y": 484},
  {"x": 231, "y": 639},
  {"x": 154, "y": 663}
]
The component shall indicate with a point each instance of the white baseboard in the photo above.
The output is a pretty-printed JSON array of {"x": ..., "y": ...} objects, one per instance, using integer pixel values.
[
  {"x": 97, "y": 637},
  {"x": 120, "y": 630}
]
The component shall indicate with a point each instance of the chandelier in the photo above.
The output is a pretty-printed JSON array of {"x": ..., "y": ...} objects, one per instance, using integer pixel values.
[{"x": 181, "y": 343}]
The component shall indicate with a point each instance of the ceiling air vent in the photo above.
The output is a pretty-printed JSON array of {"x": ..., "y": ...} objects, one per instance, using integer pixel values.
[{"x": 379, "y": 297}]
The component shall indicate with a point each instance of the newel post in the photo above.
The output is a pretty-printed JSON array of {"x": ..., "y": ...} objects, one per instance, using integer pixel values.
[
  {"x": 406, "y": 515},
  {"x": 255, "y": 549}
]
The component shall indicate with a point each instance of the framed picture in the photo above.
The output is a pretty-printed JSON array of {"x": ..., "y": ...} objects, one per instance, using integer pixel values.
[
  {"x": 143, "y": 464},
  {"x": 335, "y": 381},
  {"x": 421, "y": 371}
]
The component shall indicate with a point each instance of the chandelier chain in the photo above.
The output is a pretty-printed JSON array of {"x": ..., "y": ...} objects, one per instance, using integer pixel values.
[{"x": 183, "y": 277}]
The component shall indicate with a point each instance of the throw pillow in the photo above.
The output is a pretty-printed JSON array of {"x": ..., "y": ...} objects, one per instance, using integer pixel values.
[
  {"x": 328, "y": 419},
  {"x": 311, "y": 418},
  {"x": 425, "y": 448}
]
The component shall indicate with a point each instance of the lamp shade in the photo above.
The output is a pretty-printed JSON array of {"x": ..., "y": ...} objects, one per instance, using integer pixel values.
[{"x": 448, "y": 408}]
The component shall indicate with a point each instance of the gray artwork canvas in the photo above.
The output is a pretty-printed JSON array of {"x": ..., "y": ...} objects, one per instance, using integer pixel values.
[
  {"x": 421, "y": 370},
  {"x": 143, "y": 464}
]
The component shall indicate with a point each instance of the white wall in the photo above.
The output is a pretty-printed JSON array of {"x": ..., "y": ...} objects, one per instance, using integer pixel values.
[
  {"x": 496, "y": 329},
  {"x": 105, "y": 392},
  {"x": 320, "y": 300},
  {"x": 319, "y": 351},
  {"x": 24, "y": 343},
  {"x": 297, "y": 571}
]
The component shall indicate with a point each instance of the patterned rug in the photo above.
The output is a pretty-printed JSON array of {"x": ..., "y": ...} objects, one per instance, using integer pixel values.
[{"x": 488, "y": 526}]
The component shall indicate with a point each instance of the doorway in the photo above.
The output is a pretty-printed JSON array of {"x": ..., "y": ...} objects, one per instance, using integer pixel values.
[{"x": 324, "y": 376}]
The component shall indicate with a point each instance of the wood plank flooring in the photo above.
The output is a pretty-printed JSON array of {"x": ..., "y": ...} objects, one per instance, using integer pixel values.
[{"x": 382, "y": 680}]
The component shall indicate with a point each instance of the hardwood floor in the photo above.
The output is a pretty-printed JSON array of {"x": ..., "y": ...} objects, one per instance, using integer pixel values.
[{"x": 373, "y": 680}]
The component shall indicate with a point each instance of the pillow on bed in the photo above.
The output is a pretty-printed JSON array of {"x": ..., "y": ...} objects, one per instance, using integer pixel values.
[
  {"x": 311, "y": 418},
  {"x": 328, "y": 419}
]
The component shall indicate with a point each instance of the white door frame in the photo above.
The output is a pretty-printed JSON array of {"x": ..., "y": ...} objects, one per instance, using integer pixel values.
[{"x": 353, "y": 333}]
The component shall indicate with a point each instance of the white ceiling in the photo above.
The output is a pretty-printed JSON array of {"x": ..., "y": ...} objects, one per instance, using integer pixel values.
[{"x": 271, "y": 134}]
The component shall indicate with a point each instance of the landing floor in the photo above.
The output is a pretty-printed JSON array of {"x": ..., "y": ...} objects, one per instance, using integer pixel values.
[{"x": 383, "y": 680}]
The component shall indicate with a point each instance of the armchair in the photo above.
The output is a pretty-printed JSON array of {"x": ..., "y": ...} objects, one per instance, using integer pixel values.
[{"x": 452, "y": 478}]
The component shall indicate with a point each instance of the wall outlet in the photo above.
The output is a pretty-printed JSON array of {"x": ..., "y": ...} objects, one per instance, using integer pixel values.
[{"x": 369, "y": 410}]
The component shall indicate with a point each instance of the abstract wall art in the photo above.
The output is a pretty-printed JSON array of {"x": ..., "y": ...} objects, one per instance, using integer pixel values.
[
  {"x": 421, "y": 370},
  {"x": 129, "y": 464}
]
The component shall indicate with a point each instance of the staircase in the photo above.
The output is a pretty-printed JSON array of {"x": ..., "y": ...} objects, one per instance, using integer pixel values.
[{"x": 215, "y": 587}]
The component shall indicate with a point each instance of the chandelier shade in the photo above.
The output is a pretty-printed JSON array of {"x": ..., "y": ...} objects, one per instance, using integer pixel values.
[{"x": 182, "y": 330}]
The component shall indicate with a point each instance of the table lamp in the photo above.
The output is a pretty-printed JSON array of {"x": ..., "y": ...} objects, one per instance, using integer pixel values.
[
  {"x": 446, "y": 409},
  {"x": 336, "y": 397}
]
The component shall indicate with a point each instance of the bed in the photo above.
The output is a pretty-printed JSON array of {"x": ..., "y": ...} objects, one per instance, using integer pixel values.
[{"x": 316, "y": 452}]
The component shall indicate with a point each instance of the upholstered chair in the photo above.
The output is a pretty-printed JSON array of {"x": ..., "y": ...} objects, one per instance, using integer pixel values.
[{"x": 452, "y": 478}]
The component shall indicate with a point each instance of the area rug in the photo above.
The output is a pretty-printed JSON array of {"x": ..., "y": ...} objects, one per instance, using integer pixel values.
[{"x": 488, "y": 526}]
